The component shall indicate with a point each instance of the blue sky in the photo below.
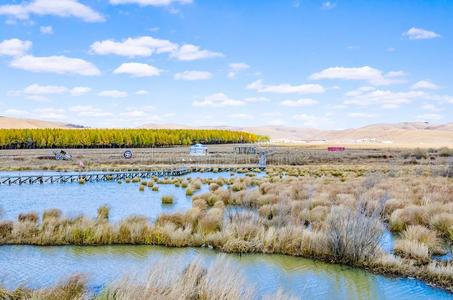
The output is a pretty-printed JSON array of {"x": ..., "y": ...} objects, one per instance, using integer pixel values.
[{"x": 324, "y": 64}]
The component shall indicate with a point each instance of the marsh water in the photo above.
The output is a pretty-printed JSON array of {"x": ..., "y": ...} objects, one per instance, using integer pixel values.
[{"x": 43, "y": 266}]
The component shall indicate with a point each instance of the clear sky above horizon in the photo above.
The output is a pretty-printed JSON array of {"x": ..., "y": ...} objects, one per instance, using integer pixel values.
[{"x": 324, "y": 64}]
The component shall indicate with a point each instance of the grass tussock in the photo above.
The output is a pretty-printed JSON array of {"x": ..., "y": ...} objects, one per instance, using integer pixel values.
[{"x": 168, "y": 199}]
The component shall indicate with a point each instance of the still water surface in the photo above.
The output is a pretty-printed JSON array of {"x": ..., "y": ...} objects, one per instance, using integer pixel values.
[{"x": 43, "y": 266}]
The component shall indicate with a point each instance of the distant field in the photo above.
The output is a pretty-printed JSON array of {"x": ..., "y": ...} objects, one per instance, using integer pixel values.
[{"x": 218, "y": 155}]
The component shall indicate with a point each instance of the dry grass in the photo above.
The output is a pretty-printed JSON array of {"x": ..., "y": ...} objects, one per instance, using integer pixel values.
[{"x": 332, "y": 215}]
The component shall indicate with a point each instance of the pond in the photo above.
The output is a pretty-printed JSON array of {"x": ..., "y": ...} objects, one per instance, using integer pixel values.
[
  {"x": 43, "y": 266},
  {"x": 74, "y": 199}
]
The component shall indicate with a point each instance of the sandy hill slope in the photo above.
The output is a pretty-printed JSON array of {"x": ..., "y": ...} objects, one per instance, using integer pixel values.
[
  {"x": 412, "y": 134},
  {"x": 16, "y": 123}
]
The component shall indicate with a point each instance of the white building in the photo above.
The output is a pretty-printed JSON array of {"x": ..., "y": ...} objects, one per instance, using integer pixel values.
[{"x": 198, "y": 149}]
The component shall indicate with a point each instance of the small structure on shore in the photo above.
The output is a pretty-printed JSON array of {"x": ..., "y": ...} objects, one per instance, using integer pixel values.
[
  {"x": 245, "y": 150},
  {"x": 336, "y": 149},
  {"x": 198, "y": 149}
]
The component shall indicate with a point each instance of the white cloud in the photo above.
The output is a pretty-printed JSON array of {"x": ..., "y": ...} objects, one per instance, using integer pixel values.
[
  {"x": 132, "y": 47},
  {"x": 311, "y": 120},
  {"x": 36, "y": 89},
  {"x": 366, "y": 96},
  {"x": 328, "y": 5},
  {"x": 256, "y": 99},
  {"x": 193, "y": 75},
  {"x": 429, "y": 117},
  {"x": 14, "y": 47},
  {"x": 51, "y": 113},
  {"x": 235, "y": 68},
  {"x": 60, "y": 8},
  {"x": 365, "y": 73},
  {"x": 190, "y": 52},
  {"x": 360, "y": 115},
  {"x": 430, "y": 107},
  {"x": 420, "y": 34},
  {"x": 46, "y": 29},
  {"x": 286, "y": 88},
  {"x": 79, "y": 91},
  {"x": 145, "y": 46},
  {"x": 113, "y": 94},
  {"x": 151, "y": 2},
  {"x": 89, "y": 111},
  {"x": 217, "y": 100},
  {"x": 142, "y": 92},
  {"x": 299, "y": 102},
  {"x": 40, "y": 92},
  {"x": 17, "y": 112},
  {"x": 137, "y": 70},
  {"x": 242, "y": 116},
  {"x": 55, "y": 64},
  {"x": 424, "y": 85}
]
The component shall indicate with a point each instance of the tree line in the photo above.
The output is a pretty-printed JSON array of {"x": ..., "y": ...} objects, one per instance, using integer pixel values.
[{"x": 118, "y": 138}]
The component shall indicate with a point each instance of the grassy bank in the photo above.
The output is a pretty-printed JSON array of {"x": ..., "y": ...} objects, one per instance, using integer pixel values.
[{"x": 335, "y": 216}]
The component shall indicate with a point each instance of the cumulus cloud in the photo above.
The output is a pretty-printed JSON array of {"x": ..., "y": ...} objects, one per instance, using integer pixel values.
[
  {"x": 113, "y": 94},
  {"x": 55, "y": 64},
  {"x": 256, "y": 99},
  {"x": 360, "y": 115},
  {"x": 420, "y": 34},
  {"x": 41, "y": 92},
  {"x": 328, "y": 5},
  {"x": 145, "y": 46},
  {"x": 89, "y": 111},
  {"x": 142, "y": 92},
  {"x": 193, "y": 75},
  {"x": 132, "y": 47},
  {"x": 311, "y": 120},
  {"x": 51, "y": 113},
  {"x": 14, "y": 47},
  {"x": 285, "y": 88},
  {"x": 424, "y": 85},
  {"x": 137, "y": 70},
  {"x": 217, "y": 100},
  {"x": 79, "y": 91},
  {"x": 299, "y": 102},
  {"x": 46, "y": 30},
  {"x": 365, "y": 73},
  {"x": 60, "y": 8},
  {"x": 190, "y": 52},
  {"x": 366, "y": 96},
  {"x": 235, "y": 68},
  {"x": 151, "y": 2},
  {"x": 242, "y": 116},
  {"x": 429, "y": 117}
]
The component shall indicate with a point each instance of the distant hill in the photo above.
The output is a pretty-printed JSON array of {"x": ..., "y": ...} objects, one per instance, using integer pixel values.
[
  {"x": 16, "y": 123},
  {"x": 413, "y": 134},
  {"x": 405, "y": 134}
]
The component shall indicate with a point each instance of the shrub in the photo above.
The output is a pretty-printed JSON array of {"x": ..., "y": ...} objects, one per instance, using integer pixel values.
[
  {"x": 6, "y": 228},
  {"x": 353, "y": 235},
  {"x": 103, "y": 213},
  {"x": 412, "y": 250},
  {"x": 155, "y": 188},
  {"x": 141, "y": 188},
  {"x": 168, "y": 199},
  {"x": 424, "y": 236},
  {"x": 31, "y": 217},
  {"x": 51, "y": 214},
  {"x": 189, "y": 192}
]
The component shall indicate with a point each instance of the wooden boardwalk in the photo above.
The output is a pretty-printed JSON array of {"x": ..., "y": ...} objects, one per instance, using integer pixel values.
[{"x": 90, "y": 177}]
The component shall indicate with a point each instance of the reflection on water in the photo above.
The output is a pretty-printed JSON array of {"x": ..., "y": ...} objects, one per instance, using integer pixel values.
[{"x": 43, "y": 266}]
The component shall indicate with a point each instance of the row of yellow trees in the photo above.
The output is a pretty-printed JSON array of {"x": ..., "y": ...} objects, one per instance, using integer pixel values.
[{"x": 110, "y": 138}]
